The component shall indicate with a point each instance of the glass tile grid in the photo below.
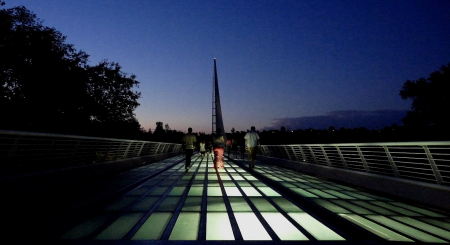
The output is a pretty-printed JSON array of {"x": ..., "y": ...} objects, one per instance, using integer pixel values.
[
  {"x": 393, "y": 217},
  {"x": 265, "y": 207},
  {"x": 122, "y": 221},
  {"x": 133, "y": 216}
]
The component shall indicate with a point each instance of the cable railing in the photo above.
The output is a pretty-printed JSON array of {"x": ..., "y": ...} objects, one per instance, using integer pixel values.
[
  {"x": 418, "y": 161},
  {"x": 26, "y": 152}
]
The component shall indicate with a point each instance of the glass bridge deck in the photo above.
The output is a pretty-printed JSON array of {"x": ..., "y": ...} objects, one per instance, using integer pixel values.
[{"x": 237, "y": 204}]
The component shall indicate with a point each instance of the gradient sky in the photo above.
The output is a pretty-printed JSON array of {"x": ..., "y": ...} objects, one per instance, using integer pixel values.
[{"x": 297, "y": 64}]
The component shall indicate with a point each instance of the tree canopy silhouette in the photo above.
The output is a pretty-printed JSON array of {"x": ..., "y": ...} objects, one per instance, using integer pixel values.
[
  {"x": 430, "y": 99},
  {"x": 47, "y": 85}
]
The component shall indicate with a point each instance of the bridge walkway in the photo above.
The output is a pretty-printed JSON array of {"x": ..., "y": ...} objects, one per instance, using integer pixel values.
[{"x": 164, "y": 203}]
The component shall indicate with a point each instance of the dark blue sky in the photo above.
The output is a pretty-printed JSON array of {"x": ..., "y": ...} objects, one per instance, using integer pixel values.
[{"x": 295, "y": 63}]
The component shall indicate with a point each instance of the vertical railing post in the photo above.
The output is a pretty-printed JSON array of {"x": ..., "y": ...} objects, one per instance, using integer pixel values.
[
  {"x": 295, "y": 154},
  {"x": 303, "y": 154},
  {"x": 326, "y": 156},
  {"x": 434, "y": 167},
  {"x": 363, "y": 159},
  {"x": 287, "y": 152},
  {"x": 140, "y": 149},
  {"x": 125, "y": 153},
  {"x": 313, "y": 155},
  {"x": 392, "y": 162},
  {"x": 344, "y": 163}
]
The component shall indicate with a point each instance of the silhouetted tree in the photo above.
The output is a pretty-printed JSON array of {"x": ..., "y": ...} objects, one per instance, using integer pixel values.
[
  {"x": 41, "y": 76},
  {"x": 159, "y": 128},
  {"x": 46, "y": 84},
  {"x": 110, "y": 91},
  {"x": 430, "y": 99}
]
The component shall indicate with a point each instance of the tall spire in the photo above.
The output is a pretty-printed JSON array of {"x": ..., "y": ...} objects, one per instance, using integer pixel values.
[{"x": 217, "y": 120}]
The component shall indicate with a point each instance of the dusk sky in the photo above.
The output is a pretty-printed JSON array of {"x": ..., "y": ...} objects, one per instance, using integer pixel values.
[{"x": 298, "y": 64}]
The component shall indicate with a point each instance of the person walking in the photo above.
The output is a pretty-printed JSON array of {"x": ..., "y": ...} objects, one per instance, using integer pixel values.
[
  {"x": 251, "y": 144},
  {"x": 202, "y": 149},
  {"x": 189, "y": 140},
  {"x": 218, "y": 148}
]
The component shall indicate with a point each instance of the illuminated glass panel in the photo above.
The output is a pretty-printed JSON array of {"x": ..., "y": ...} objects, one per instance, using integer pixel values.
[
  {"x": 303, "y": 186},
  {"x": 396, "y": 209},
  {"x": 122, "y": 203},
  {"x": 315, "y": 228},
  {"x": 258, "y": 183},
  {"x": 119, "y": 228},
  {"x": 275, "y": 178},
  {"x": 375, "y": 228},
  {"x": 186, "y": 226},
  {"x": 284, "y": 229},
  {"x": 331, "y": 206},
  {"x": 339, "y": 194},
  {"x": 214, "y": 191},
  {"x": 200, "y": 177},
  {"x": 216, "y": 204},
  {"x": 192, "y": 204},
  {"x": 375, "y": 208},
  {"x": 423, "y": 226},
  {"x": 238, "y": 204},
  {"x": 168, "y": 204},
  {"x": 250, "y": 191},
  {"x": 288, "y": 185},
  {"x": 321, "y": 193},
  {"x": 249, "y": 177},
  {"x": 145, "y": 204},
  {"x": 228, "y": 183},
  {"x": 225, "y": 177},
  {"x": 268, "y": 191},
  {"x": 158, "y": 191},
  {"x": 286, "y": 205},
  {"x": 420, "y": 210},
  {"x": 440, "y": 223},
  {"x": 357, "y": 196},
  {"x": 419, "y": 235},
  {"x": 243, "y": 183},
  {"x": 232, "y": 191},
  {"x": 195, "y": 191},
  {"x": 374, "y": 196},
  {"x": 86, "y": 228},
  {"x": 212, "y": 177},
  {"x": 263, "y": 205},
  {"x": 238, "y": 177},
  {"x": 140, "y": 191},
  {"x": 218, "y": 226},
  {"x": 250, "y": 227},
  {"x": 177, "y": 191},
  {"x": 188, "y": 176},
  {"x": 352, "y": 207},
  {"x": 303, "y": 192},
  {"x": 332, "y": 187},
  {"x": 299, "y": 180},
  {"x": 153, "y": 227}
]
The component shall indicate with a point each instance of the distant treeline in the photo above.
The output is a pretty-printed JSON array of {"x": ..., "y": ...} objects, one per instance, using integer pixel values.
[{"x": 355, "y": 135}]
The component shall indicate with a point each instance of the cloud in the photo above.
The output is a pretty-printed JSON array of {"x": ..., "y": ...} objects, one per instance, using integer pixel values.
[{"x": 346, "y": 118}]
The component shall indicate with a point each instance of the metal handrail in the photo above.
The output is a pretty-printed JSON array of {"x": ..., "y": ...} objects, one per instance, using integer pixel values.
[
  {"x": 28, "y": 152},
  {"x": 419, "y": 161}
]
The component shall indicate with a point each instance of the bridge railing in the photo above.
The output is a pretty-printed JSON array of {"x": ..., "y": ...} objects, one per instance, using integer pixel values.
[
  {"x": 26, "y": 152},
  {"x": 418, "y": 161}
]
